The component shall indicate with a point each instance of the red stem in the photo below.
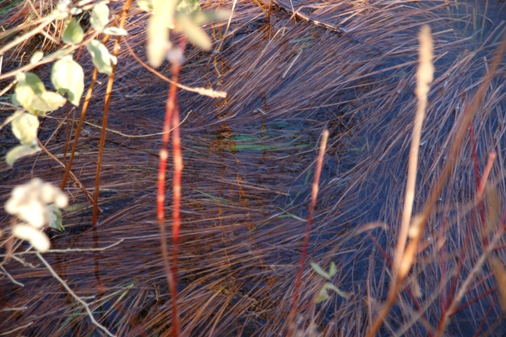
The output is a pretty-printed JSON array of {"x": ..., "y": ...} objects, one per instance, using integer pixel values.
[
  {"x": 314, "y": 196},
  {"x": 171, "y": 115}
]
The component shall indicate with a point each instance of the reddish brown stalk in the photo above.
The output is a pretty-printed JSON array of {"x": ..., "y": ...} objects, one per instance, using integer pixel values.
[
  {"x": 110, "y": 82},
  {"x": 171, "y": 115},
  {"x": 177, "y": 158},
  {"x": 474, "y": 154},
  {"x": 101, "y": 147},
  {"x": 476, "y": 299},
  {"x": 84, "y": 109},
  {"x": 484, "y": 320},
  {"x": 78, "y": 129},
  {"x": 491, "y": 158},
  {"x": 314, "y": 196}
]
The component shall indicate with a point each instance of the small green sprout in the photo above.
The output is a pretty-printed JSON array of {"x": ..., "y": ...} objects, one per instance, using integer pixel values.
[{"x": 323, "y": 295}]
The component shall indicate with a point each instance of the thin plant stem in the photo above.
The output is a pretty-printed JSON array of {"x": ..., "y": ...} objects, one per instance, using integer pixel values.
[
  {"x": 171, "y": 109},
  {"x": 198, "y": 90},
  {"x": 110, "y": 82},
  {"x": 86, "y": 102},
  {"x": 177, "y": 158},
  {"x": 424, "y": 77},
  {"x": 314, "y": 197},
  {"x": 491, "y": 158},
  {"x": 401, "y": 264}
]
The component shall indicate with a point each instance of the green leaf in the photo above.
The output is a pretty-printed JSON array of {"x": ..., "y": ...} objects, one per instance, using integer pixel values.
[
  {"x": 36, "y": 57},
  {"x": 57, "y": 54},
  {"x": 333, "y": 269},
  {"x": 100, "y": 16},
  {"x": 193, "y": 32},
  {"x": 322, "y": 296},
  {"x": 100, "y": 56},
  {"x": 55, "y": 218},
  {"x": 158, "y": 36},
  {"x": 24, "y": 127},
  {"x": 188, "y": 6},
  {"x": 115, "y": 31},
  {"x": 203, "y": 17},
  {"x": 145, "y": 5},
  {"x": 75, "y": 207},
  {"x": 166, "y": 9},
  {"x": 320, "y": 271},
  {"x": 341, "y": 293},
  {"x": 29, "y": 85},
  {"x": 48, "y": 101},
  {"x": 33, "y": 81},
  {"x": 73, "y": 33},
  {"x": 68, "y": 78},
  {"x": 19, "y": 152},
  {"x": 161, "y": 18}
]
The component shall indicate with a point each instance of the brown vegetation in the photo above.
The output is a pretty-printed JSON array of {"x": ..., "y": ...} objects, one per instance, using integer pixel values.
[{"x": 249, "y": 161}]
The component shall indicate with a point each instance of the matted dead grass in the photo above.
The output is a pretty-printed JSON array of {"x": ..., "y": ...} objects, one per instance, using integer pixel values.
[{"x": 246, "y": 183}]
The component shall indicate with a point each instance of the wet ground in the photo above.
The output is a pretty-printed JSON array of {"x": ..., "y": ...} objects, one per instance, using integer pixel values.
[{"x": 249, "y": 163}]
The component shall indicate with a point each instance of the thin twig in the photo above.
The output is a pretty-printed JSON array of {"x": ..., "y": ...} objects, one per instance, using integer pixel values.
[
  {"x": 70, "y": 250},
  {"x": 132, "y": 136},
  {"x": 11, "y": 118},
  {"x": 9, "y": 276},
  {"x": 201, "y": 91},
  {"x": 9, "y": 86},
  {"x": 9, "y": 333},
  {"x": 81, "y": 186},
  {"x": 77, "y": 298}
]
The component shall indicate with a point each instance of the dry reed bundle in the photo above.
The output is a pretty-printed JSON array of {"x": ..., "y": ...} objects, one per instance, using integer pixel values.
[{"x": 246, "y": 183}]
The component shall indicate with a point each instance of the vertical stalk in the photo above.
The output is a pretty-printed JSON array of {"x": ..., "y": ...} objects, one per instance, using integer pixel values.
[
  {"x": 171, "y": 120},
  {"x": 110, "y": 82},
  {"x": 314, "y": 196}
]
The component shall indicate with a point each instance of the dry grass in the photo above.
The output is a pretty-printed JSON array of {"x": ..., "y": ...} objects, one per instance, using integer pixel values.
[{"x": 246, "y": 184}]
